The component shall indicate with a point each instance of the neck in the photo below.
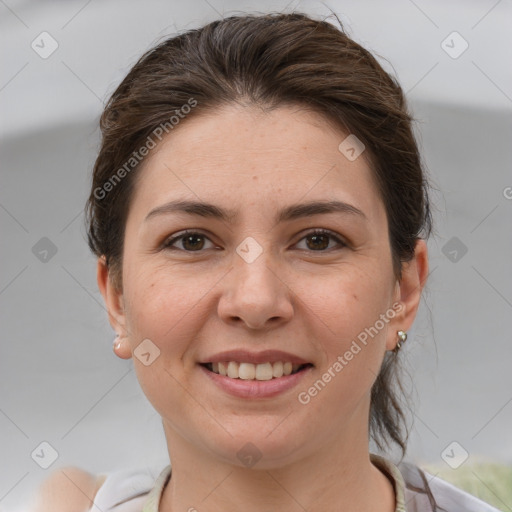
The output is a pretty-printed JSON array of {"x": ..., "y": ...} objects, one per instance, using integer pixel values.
[{"x": 340, "y": 473}]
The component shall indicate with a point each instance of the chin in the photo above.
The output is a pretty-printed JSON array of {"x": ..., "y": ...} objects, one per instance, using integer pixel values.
[{"x": 259, "y": 448}]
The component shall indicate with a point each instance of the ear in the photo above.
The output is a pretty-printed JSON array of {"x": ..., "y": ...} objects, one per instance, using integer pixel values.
[
  {"x": 114, "y": 302},
  {"x": 408, "y": 292}
]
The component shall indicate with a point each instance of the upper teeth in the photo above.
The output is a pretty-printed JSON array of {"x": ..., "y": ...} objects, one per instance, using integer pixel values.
[{"x": 250, "y": 371}]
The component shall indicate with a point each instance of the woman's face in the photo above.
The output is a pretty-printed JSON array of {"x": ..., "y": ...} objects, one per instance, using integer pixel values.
[{"x": 255, "y": 281}]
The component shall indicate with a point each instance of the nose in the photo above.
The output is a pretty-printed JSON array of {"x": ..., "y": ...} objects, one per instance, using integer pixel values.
[{"x": 255, "y": 294}]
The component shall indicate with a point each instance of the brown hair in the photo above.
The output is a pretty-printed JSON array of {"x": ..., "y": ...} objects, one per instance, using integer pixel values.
[{"x": 268, "y": 61}]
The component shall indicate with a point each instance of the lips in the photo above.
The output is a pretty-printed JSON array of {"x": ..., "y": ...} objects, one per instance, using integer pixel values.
[{"x": 254, "y": 388}]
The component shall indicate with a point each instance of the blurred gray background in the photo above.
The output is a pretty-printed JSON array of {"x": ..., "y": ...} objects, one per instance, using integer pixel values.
[{"x": 64, "y": 395}]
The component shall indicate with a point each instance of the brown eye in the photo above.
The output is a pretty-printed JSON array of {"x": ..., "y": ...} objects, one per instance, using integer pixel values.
[
  {"x": 190, "y": 241},
  {"x": 319, "y": 240},
  {"x": 193, "y": 242}
]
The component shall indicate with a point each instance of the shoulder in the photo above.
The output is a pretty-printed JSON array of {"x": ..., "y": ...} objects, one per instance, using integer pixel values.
[
  {"x": 451, "y": 498},
  {"x": 429, "y": 492},
  {"x": 68, "y": 489}
]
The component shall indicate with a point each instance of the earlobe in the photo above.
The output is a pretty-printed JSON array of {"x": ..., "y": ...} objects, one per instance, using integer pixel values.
[{"x": 122, "y": 347}]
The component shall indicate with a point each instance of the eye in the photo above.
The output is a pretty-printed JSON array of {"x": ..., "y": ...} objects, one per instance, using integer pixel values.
[
  {"x": 191, "y": 241},
  {"x": 319, "y": 240}
]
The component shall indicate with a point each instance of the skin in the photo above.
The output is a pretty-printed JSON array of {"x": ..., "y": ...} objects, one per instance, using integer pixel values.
[{"x": 294, "y": 297}]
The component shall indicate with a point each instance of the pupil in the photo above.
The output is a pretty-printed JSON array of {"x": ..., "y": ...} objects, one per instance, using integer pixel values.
[
  {"x": 316, "y": 238},
  {"x": 189, "y": 238}
]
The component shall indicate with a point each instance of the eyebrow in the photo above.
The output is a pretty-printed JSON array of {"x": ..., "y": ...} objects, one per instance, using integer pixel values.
[{"x": 289, "y": 213}]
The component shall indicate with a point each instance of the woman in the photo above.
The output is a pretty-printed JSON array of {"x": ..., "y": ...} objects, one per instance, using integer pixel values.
[{"x": 259, "y": 212}]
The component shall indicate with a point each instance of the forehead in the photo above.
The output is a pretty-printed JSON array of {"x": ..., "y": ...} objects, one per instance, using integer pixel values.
[{"x": 242, "y": 157}]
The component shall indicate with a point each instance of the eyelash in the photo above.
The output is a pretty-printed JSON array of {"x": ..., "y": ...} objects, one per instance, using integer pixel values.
[{"x": 170, "y": 241}]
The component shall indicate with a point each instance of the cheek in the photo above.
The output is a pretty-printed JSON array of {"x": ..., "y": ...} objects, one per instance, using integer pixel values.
[
  {"x": 347, "y": 301},
  {"x": 351, "y": 334},
  {"x": 165, "y": 309},
  {"x": 169, "y": 312}
]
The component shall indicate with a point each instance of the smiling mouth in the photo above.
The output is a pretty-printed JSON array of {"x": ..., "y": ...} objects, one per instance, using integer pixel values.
[{"x": 250, "y": 371}]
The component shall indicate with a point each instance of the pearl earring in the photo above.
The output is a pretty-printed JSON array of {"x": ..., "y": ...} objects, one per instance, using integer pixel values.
[
  {"x": 117, "y": 342},
  {"x": 402, "y": 337}
]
